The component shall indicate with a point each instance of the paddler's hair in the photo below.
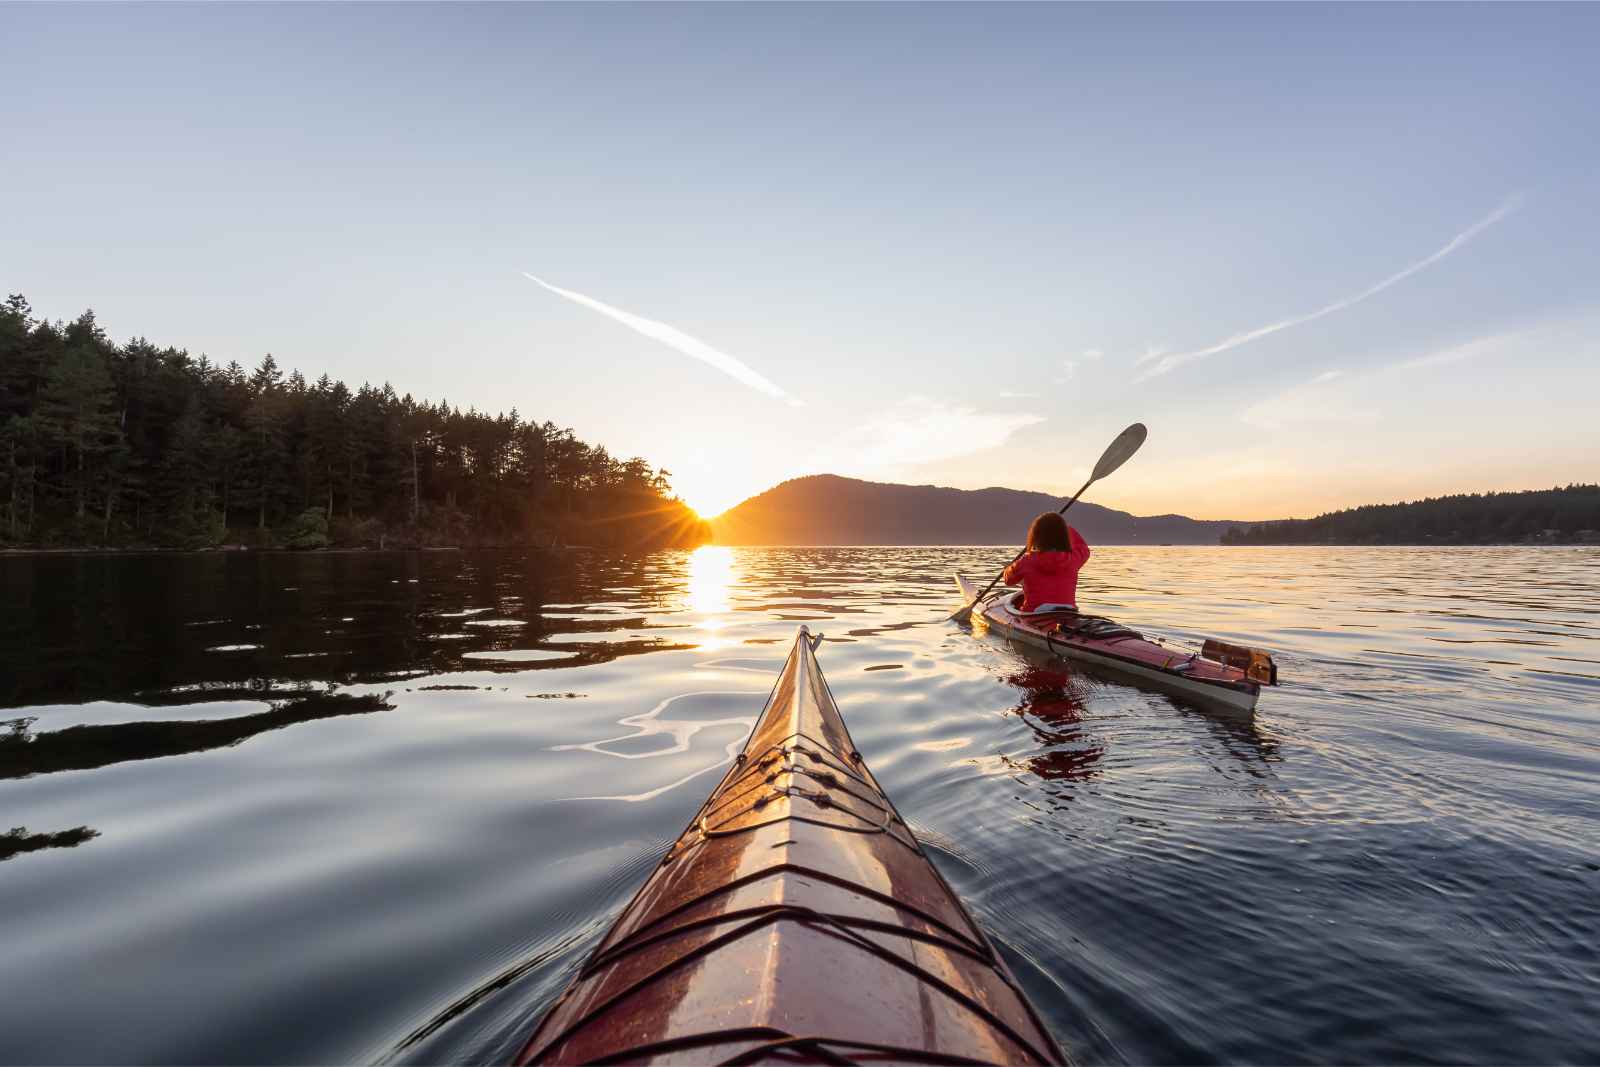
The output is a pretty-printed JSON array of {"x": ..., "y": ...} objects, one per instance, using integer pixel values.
[{"x": 1049, "y": 534}]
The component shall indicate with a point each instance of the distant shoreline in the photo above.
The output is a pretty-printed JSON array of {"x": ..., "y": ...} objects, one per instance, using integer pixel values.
[
  {"x": 1147, "y": 544},
  {"x": 250, "y": 551},
  {"x": 357, "y": 551}
]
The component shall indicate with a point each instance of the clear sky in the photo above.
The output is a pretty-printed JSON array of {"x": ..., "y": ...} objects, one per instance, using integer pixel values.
[{"x": 1330, "y": 255}]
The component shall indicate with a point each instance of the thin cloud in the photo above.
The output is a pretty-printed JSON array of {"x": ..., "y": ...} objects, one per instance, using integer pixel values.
[
  {"x": 1070, "y": 365},
  {"x": 675, "y": 338},
  {"x": 1178, "y": 359},
  {"x": 1470, "y": 350},
  {"x": 920, "y": 430},
  {"x": 1314, "y": 403},
  {"x": 1353, "y": 400}
]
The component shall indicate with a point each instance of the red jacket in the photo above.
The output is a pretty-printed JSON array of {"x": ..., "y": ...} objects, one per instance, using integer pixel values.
[{"x": 1049, "y": 577}]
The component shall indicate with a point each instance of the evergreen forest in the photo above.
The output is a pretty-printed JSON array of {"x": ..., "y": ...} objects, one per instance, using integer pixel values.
[
  {"x": 1537, "y": 516},
  {"x": 135, "y": 445}
]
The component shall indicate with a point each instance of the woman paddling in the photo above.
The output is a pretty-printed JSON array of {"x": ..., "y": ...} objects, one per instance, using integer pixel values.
[{"x": 1048, "y": 569}]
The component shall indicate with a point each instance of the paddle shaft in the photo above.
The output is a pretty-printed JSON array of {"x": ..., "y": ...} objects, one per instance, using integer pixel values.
[
  {"x": 1061, "y": 511},
  {"x": 1116, "y": 454}
]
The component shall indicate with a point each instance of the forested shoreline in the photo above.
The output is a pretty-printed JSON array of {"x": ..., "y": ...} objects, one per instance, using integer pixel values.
[
  {"x": 1568, "y": 515},
  {"x": 134, "y": 445}
]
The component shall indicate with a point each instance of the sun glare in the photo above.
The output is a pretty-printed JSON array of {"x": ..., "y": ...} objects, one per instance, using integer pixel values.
[
  {"x": 710, "y": 576},
  {"x": 707, "y": 503},
  {"x": 712, "y": 490}
]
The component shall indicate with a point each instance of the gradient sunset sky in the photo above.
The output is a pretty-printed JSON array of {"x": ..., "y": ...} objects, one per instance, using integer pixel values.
[{"x": 1331, "y": 255}]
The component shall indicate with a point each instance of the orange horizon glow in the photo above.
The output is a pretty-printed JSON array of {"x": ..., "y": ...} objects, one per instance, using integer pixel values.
[{"x": 1249, "y": 493}]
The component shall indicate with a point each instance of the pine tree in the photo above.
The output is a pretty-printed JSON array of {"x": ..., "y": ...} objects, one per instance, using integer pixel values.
[
  {"x": 79, "y": 419},
  {"x": 184, "y": 482},
  {"x": 112, "y": 443},
  {"x": 266, "y": 471}
]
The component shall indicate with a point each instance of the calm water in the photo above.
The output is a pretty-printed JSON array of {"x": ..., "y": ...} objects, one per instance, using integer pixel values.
[{"x": 1397, "y": 858}]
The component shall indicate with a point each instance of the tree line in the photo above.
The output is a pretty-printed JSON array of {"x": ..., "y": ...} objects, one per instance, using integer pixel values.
[
  {"x": 1553, "y": 516},
  {"x": 138, "y": 445}
]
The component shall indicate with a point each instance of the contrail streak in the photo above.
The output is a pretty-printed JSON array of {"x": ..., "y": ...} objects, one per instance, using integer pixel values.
[
  {"x": 675, "y": 338},
  {"x": 1178, "y": 359}
]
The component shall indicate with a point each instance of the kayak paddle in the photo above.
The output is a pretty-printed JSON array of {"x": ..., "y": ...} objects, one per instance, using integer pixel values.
[{"x": 1116, "y": 454}]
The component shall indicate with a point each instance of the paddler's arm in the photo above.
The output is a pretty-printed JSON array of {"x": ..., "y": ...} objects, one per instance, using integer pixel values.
[
  {"x": 1078, "y": 554},
  {"x": 1013, "y": 572}
]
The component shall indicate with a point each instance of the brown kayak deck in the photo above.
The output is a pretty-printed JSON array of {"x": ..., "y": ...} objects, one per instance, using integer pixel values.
[{"x": 796, "y": 920}]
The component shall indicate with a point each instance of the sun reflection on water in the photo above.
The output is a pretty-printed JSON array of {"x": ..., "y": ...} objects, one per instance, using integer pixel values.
[
  {"x": 710, "y": 575},
  {"x": 710, "y": 579}
]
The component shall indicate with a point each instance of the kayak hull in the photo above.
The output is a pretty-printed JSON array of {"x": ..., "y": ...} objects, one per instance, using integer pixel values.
[
  {"x": 796, "y": 919},
  {"x": 1128, "y": 656}
]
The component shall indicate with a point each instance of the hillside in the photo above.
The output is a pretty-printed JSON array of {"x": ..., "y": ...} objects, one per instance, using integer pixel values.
[
  {"x": 1536, "y": 516},
  {"x": 825, "y": 509}
]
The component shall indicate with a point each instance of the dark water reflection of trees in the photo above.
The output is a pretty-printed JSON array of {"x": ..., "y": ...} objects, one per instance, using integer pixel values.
[
  {"x": 18, "y": 840},
  {"x": 79, "y": 748},
  {"x": 166, "y": 629}
]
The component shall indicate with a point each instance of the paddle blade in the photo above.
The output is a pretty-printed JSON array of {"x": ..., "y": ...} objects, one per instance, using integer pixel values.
[{"x": 1120, "y": 451}]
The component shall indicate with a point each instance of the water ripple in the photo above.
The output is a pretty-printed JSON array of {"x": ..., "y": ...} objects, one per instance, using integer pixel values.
[{"x": 1394, "y": 859}]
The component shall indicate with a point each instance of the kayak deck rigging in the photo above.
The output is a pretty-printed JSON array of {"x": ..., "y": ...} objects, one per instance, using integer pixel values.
[{"x": 797, "y": 918}]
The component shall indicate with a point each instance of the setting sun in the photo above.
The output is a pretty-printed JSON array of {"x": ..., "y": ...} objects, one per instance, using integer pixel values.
[{"x": 712, "y": 489}]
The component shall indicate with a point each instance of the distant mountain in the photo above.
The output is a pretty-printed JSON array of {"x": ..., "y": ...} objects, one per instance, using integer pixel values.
[{"x": 825, "y": 509}]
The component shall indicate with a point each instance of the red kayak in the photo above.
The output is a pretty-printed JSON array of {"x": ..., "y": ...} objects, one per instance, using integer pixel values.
[
  {"x": 796, "y": 920},
  {"x": 1219, "y": 676}
]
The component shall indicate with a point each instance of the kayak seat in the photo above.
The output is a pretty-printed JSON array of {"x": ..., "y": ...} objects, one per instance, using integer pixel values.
[
  {"x": 1072, "y": 623},
  {"x": 1043, "y": 609}
]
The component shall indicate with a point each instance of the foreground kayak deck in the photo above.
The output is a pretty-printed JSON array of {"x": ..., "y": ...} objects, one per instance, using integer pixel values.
[
  {"x": 1232, "y": 681},
  {"x": 796, "y": 920}
]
